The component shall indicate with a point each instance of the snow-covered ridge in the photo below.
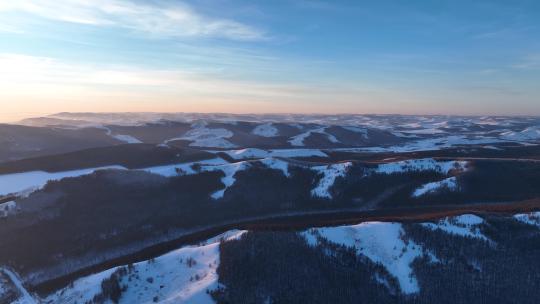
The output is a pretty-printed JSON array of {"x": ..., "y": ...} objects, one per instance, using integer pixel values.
[
  {"x": 28, "y": 182},
  {"x": 229, "y": 171},
  {"x": 298, "y": 140},
  {"x": 123, "y": 138},
  {"x": 216, "y": 164},
  {"x": 386, "y": 243},
  {"x": 362, "y": 131},
  {"x": 381, "y": 243},
  {"x": 532, "y": 218},
  {"x": 183, "y": 168},
  {"x": 528, "y": 134},
  {"x": 8, "y": 208},
  {"x": 23, "y": 184},
  {"x": 426, "y": 164},
  {"x": 127, "y": 139},
  {"x": 276, "y": 164},
  {"x": 201, "y": 136},
  {"x": 184, "y": 275},
  {"x": 447, "y": 183},
  {"x": 259, "y": 153},
  {"x": 265, "y": 130},
  {"x": 181, "y": 276},
  {"x": 467, "y": 225},
  {"x": 25, "y": 297},
  {"x": 429, "y": 144}
]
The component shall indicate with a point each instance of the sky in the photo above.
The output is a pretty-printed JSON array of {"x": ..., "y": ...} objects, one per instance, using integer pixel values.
[{"x": 297, "y": 56}]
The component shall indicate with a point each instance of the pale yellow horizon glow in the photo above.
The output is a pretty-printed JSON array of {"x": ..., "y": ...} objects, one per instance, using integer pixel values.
[{"x": 36, "y": 86}]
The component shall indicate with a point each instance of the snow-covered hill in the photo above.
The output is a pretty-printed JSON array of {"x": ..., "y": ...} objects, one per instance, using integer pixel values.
[
  {"x": 187, "y": 274},
  {"x": 181, "y": 276},
  {"x": 377, "y": 133}
]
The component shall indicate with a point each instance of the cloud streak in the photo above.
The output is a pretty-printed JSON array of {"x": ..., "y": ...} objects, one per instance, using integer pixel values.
[
  {"x": 51, "y": 85},
  {"x": 42, "y": 76},
  {"x": 179, "y": 20}
]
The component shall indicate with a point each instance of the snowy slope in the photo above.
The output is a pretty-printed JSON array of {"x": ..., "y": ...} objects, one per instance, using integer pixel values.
[
  {"x": 127, "y": 139},
  {"x": 532, "y": 218},
  {"x": 201, "y": 136},
  {"x": 28, "y": 182},
  {"x": 426, "y": 164},
  {"x": 259, "y": 153},
  {"x": 7, "y": 208},
  {"x": 123, "y": 138},
  {"x": 276, "y": 164},
  {"x": 467, "y": 225},
  {"x": 181, "y": 276},
  {"x": 430, "y": 144},
  {"x": 362, "y": 131},
  {"x": 298, "y": 140},
  {"x": 447, "y": 183},
  {"x": 230, "y": 171},
  {"x": 381, "y": 243},
  {"x": 25, "y": 297},
  {"x": 329, "y": 175},
  {"x": 265, "y": 130},
  {"x": 528, "y": 134},
  {"x": 184, "y": 168}
]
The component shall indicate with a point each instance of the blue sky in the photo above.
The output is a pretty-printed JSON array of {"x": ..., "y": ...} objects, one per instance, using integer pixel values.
[{"x": 425, "y": 57}]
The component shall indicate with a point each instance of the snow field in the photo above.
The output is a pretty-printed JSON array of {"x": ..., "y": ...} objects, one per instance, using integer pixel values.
[
  {"x": 329, "y": 175},
  {"x": 447, "y": 183},
  {"x": 467, "y": 225},
  {"x": 181, "y": 276},
  {"x": 265, "y": 130},
  {"x": 380, "y": 242}
]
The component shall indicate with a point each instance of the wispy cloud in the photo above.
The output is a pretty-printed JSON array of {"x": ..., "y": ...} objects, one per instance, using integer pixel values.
[
  {"x": 529, "y": 62},
  {"x": 44, "y": 82},
  {"x": 10, "y": 29},
  {"x": 178, "y": 20},
  {"x": 22, "y": 73}
]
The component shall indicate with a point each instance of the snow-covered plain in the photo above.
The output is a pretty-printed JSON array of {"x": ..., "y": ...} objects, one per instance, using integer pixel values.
[
  {"x": 447, "y": 183},
  {"x": 467, "y": 225},
  {"x": 181, "y": 276}
]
